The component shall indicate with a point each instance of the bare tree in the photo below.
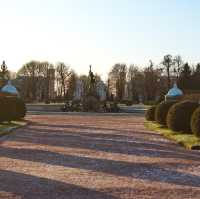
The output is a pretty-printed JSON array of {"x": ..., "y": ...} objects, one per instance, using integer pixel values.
[
  {"x": 71, "y": 85},
  {"x": 119, "y": 73},
  {"x": 167, "y": 63},
  {"x": 178, "y": 63},
  {"x": 44, "y": 72},
  {"x": 62, "y": 74},
  {"x": 152, "y": 76},
  {"x": 30, "y": 72},
  {"x": 133, "y": 72}
]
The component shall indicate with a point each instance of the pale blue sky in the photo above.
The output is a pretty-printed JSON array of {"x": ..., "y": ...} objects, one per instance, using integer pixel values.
[{"x": 98, "y": 32}]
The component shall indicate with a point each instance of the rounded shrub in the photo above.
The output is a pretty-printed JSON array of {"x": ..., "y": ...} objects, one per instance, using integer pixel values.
[
  {"x": 7, "y": 109},
  {"x": 179, "y": 116},
  {"x": 195, "y": 122},
  {"x": 114, "y": 108},
  {"x": 162, "y": 111},
  {"x": 11, "y": 108},
  {"x": 76, "y": 106},
  {"x": 20, "y": 109},
  {"x": 3, "y": 110},
  {"x": 91, "y": 103},
  {"x": 150, "y": 114}
]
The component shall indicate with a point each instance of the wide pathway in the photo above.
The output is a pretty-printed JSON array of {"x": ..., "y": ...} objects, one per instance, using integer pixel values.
[{"x": 94, "y": 157}]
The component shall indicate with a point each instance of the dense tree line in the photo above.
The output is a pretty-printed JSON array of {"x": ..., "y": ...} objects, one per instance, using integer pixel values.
[
  {"x": 139, "y": 82},
  {"x": 124, "y": 82},
  {"x": 153, "y": 82},
  {"x": 34, "y": 78},
  {"x": 189, "y": 77}
]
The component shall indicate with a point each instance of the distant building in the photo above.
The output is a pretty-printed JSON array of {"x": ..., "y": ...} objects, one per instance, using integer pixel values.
[
  {"x": 52, "y": 78},
  {"x": 101, "y": 90},
  {"x": 112, "y": 87},
  {"x": 127, "y": 94}
]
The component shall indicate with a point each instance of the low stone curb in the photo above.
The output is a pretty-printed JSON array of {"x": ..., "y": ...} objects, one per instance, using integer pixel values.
[{"x": 83, "y": 113}]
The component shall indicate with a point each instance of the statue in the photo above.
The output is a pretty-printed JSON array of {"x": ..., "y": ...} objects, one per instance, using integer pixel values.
[
  {"x": 91, "y": 76},
  {"x": 3, "y": 74},
  {"x": 92, "y": 82},
  {"x": 4, "y": 67}
]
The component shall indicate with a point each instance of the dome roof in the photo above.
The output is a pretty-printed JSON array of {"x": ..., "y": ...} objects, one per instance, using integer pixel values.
[
  {"x": 10, "y": 89},
  {"x": 175, "y": 92}
]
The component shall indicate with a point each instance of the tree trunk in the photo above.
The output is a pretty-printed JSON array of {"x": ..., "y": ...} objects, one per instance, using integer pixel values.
[{"x": 168, "y": 78}]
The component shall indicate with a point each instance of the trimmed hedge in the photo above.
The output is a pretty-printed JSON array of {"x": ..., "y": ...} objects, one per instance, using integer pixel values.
[
  {"x": 6, "y": 107},
  {"x": 150, "y": 114},
  {"x": 179, "y": 116},
  {"x": 20, "y": 109},
  {"x": 195, "y": 122},
  {"x": 162, "y": 111},
  {"x": 11, "y": 108}
]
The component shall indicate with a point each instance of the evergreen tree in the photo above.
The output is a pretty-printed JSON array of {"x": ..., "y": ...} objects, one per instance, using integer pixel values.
[
  {"x": 196, "y": 78},
  {"x": 185, "y": 79}
]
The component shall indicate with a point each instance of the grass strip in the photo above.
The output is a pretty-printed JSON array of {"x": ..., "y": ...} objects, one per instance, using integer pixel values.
[
  {"x": 189, "y": 141},
  {"x": 6, "y": 128}
]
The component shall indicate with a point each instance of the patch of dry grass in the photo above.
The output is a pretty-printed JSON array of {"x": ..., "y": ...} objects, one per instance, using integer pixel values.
[{"x": 189, "y": 140}]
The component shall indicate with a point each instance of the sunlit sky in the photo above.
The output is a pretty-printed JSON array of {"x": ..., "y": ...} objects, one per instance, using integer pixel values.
[{"x": 98, "y": 32}]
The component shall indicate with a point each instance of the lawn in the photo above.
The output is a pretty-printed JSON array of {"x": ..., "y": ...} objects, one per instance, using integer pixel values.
[
  {"x": 5, "y": 128},
  {"x": 189, "y": 141}
]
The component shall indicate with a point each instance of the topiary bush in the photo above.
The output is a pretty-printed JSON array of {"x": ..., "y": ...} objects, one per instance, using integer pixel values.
[
  {"x": 20, "y": 109},
  {"x": 7, "y": 109},
  {"x": 91, "y": 103},
  {"x": 195, "y": 122},
  {"x": 150, "y": 114},
  {"x": 114, "y": 108},
  {"x": 162, "y": 111},
  {"x": 179, "y": 116},
  {"x": 76, "y": 106},
  {"x": 11, "y": 108}
]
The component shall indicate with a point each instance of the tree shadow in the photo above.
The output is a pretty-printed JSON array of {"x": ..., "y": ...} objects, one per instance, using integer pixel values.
[
  {"x": 109, "y": 133},
  {"x": 69, "y": 126},
  {"x": 104, "y": 143},
  {"x": 145, "y": 171},
  {"x": 32, "y": 187},
  {"x": 104, "y": 133},
  {"x": 154, "y": 192}
]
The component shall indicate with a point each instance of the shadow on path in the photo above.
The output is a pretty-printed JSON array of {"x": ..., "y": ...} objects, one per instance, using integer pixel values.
[
  {"x": 144, "y": 171},
  {"x": 105, "y": 143},
  {"x": 32, "y": 187}
]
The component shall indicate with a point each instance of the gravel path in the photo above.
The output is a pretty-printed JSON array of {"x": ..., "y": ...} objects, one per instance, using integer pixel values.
[{"x": 95, "y": 157}]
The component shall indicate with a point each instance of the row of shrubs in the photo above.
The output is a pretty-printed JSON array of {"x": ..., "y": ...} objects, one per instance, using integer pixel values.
[
  {"x": 11, "y": 109},
  {"x": 90, "y": 104},
  {"x": 181, "y": 116}
]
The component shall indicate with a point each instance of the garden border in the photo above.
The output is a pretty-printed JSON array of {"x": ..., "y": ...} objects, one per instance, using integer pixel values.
[
  {"x": 16, "y": 125},
  {"x": 189, "y": 141}
]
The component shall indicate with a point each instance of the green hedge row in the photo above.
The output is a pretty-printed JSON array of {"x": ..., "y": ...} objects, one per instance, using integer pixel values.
[
  {"x": 11, "y": 108},
  {"x": 179, "y": 116},
  {"x": 162, "y": 111},
  {"x": 183, "y": 116}
]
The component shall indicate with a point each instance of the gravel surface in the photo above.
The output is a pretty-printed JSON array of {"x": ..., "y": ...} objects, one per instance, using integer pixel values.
[{"x": 95, "y": 157}]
